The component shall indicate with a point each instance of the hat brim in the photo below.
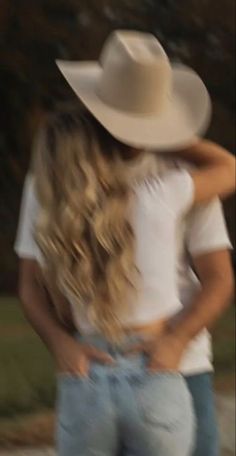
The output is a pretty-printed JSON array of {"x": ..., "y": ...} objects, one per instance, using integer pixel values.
[{"x": 187, "y": 114}]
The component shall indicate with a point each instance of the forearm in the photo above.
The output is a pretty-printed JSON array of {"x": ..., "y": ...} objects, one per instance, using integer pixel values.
[
  {"x": 207, "y": 307},
  {"x": 215, "y": 172},
  {"x": 206, "y": 153},
  {"x": 39, "y": 312}
]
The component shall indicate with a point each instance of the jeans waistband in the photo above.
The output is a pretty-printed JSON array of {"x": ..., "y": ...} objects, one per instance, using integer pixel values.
[{"x": 99, "y": 341}]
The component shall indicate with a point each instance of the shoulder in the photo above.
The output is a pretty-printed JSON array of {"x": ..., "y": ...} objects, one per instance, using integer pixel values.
[{"x": 177, "y": 164}]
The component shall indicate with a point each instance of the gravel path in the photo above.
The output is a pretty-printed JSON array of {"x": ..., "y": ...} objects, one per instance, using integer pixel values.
[
  {"x": 226, "y": 414},
  {"x": 48, "y": 452},
  {"x": 29, "y": 452},
  {"x": 226, "y": 418}
]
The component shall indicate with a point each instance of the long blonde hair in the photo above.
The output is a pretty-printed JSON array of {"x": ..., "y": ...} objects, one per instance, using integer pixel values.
[{"x": 83, "y": 229}]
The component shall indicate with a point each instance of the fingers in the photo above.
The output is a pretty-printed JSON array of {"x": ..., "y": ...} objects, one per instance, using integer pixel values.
[
  {"x": 100, "y": 356},
  {"x": 154, "y": 366},
  {"x": 83, "y": 366},
  {"x": 80, "y": 368},
  {"x": 154, "y": 363}
]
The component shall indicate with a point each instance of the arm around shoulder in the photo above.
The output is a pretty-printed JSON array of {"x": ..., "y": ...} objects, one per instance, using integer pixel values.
[{"x": 215, "y": 174}]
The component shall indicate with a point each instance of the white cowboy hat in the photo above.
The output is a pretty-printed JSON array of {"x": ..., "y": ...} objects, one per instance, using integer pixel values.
[{"x": 138, "y": 95}]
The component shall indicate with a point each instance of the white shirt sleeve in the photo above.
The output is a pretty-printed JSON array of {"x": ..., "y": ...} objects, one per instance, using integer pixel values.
[
  {"x": 25, "y": 244},
  {"x": 206, "y": 229}
]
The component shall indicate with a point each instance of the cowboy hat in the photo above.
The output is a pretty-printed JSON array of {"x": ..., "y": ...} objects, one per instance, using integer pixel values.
[{"x": 138, "y": 95}]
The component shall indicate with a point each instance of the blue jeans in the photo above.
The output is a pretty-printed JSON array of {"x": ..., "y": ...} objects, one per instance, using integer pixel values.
[
  {"x": 148, "y": 414},
  {"x": 207, "y": 438},
  {"x": 201, "y": 389}
]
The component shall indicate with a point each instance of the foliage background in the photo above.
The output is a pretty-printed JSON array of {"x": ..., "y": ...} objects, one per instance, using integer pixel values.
[{"x": 33, "y": 33}]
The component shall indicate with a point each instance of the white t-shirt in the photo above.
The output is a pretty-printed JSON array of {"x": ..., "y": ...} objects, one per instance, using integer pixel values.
[{"x": 164, "y": 236}]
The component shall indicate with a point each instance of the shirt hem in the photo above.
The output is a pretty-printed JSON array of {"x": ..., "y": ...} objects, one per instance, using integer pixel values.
[{"x": 188, "y": 372}]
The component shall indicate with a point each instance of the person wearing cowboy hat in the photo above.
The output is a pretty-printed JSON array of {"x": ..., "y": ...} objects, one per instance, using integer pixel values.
[{"x": 104, "y": 240}]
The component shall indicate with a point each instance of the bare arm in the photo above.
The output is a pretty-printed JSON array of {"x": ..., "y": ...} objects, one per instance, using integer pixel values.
[
  {"x": 215, "y": 175},
  {"x": 70, "y": 356},
  {"x": 37, "y": 306},
  {"x": 216, "y": 275}
]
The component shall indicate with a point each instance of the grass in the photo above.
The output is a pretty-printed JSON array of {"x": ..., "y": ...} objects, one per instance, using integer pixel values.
[
  {"x": 224, "y": 343},
  {"x": 27, "y": 382},
  {"x": 224, "y": 351}
]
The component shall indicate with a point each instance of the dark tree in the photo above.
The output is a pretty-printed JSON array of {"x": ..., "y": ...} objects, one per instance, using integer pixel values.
[{"x": 33, "y": 33}]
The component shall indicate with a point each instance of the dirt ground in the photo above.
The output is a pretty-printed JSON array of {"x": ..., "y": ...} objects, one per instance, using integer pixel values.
[
  {"x": 226, "y": 417},
  {"x": 48, "y": 452}
]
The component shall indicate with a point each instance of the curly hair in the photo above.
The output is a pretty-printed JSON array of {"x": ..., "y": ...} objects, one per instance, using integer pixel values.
[{"x": 83, "y": 228}]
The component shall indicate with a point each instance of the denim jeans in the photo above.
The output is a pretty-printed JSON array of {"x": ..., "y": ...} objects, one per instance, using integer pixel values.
[
  {"x": 124, "y": 405},
  {"x": 207, "y": 435},
  {"x": 207, "y": 439}
]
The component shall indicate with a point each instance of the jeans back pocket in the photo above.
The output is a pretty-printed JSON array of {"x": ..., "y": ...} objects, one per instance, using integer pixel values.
[{"x": 163, "y": 400}]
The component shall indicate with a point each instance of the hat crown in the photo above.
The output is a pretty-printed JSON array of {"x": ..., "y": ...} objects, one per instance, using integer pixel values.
[{"x": 137, "y": 75}]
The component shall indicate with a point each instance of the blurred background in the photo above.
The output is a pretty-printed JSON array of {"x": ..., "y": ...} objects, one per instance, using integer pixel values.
[{"x": 33, "y": 33}]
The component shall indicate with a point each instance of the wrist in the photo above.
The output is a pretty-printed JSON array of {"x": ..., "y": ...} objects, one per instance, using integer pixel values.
[
  {"x": 179, "y": 334},
  {"x": 56, "y": 338}
]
